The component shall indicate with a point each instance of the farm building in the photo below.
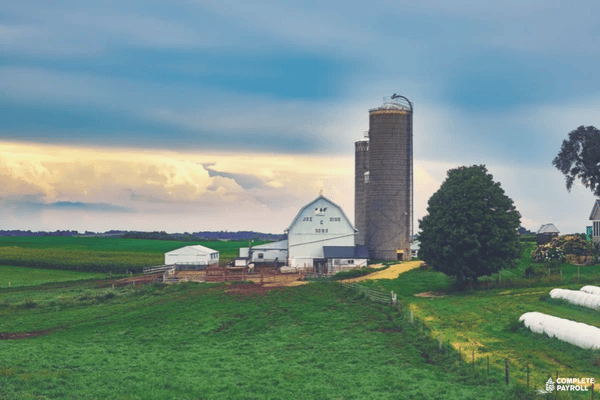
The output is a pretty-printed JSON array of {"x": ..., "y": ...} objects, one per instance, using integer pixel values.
[
  {"x": 595, "y": 218},
  {"x": 546, "y": 233},
  {"x": 192, "y": 257},
  {"x": 274, "y": 253},
  {"x": 343, "y": 258},
  {"x": 321, "y": 225}
]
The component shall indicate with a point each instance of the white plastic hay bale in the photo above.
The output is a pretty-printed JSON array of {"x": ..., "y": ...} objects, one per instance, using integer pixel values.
[
  {"x": 591, "y": 290},
  {"x": 576, "y": 333},
  {"x": 577, "y": 297}
]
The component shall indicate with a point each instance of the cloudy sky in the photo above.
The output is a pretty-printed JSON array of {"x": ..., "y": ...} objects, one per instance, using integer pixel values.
[{"x": 226, "y": 115}]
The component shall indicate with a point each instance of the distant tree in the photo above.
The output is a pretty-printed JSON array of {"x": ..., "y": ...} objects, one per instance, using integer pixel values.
[
  {"x": 471, "y": 226},
  {"x": 579, "y": 158}
]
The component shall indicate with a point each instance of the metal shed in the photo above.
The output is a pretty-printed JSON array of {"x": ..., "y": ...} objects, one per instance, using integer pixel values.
[{"x": 192, "y": 257}]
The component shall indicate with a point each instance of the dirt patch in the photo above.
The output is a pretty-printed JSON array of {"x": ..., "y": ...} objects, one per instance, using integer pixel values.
[
  {"x": 250, "y": 289},
  {"x": 22, "y": 335},
  {"x": 433, "y": 295},
  {"x": 134, "y": 280}
]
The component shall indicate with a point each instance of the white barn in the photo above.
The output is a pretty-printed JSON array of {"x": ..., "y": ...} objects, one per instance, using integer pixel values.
[
  {"x": 192, "y": 257},
  {"x": 321, "y": 223}
]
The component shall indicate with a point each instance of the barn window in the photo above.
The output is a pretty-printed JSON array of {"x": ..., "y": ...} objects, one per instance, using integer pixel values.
[
  {"x": 261, "y": 255},
  {"x": 367, "y": 177},
  {"x": 350, "y": 261}
]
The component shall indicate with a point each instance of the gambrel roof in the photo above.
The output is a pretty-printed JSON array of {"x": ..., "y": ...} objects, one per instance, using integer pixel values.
[
  {"x": 548, "y": 228},
  {"x": 313, "y": 202},
  {"x": 595, "y": 215}
]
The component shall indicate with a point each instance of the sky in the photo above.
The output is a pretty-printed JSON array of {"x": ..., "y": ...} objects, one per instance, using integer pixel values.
[{"x": 231, "y": 115}]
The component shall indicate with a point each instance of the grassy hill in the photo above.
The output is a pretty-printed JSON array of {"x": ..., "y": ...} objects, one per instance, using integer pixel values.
[{"x": 193, "y": 341}]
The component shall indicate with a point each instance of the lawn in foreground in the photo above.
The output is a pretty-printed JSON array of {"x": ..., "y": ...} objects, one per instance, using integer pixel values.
[
  {"x": 11, "y": 276},
  {"x": 193, "y": 341}
]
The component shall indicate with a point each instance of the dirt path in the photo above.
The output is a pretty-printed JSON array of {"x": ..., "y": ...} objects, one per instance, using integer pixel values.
[{"x": 391, "y": 273}]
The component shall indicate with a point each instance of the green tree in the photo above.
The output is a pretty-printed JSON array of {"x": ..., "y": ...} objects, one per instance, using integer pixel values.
[
  {"x": 471, "y": 228},
  {"x": 579, "y": 157}
]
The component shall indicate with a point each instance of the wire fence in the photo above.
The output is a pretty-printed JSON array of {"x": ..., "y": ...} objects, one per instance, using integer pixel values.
[{"x": 474, "y": 361}]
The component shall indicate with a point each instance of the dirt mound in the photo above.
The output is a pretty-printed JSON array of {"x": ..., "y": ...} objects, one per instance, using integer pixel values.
[{"x": 22, "y": 335}]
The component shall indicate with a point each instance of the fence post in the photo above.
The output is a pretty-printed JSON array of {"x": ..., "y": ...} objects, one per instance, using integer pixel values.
[
  {"x": 506, "y": 369},
  {"x": 412, "y": 319}
]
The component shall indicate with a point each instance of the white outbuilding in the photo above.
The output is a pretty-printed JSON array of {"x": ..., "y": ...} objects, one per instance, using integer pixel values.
[
  {"x": 192, "y": 257},
  {"x": 322, "y": 224}
]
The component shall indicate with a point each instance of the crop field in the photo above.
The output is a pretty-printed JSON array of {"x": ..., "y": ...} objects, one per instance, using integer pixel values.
[
  {"x": 97, "y": 254},
  {"x": 486, "y": 321},
  {"x": 25, "y": 276}
]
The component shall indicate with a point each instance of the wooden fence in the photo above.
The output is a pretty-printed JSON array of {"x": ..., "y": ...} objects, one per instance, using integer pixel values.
[{"x": 379, "y": 296}]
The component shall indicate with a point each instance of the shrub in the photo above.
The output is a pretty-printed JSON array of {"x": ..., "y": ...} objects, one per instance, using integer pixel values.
[{"x": 561, "y": 246}]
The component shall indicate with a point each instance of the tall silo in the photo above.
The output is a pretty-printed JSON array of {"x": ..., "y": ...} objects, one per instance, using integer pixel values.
[
  {"x": 389, "y": 199},
  {"x": 361, "y": 176}
]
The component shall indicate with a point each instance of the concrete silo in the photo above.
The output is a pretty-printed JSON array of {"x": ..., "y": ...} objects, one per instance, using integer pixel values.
[
  {"x": 387, "y": 190},
  {"x": 361, "y": 175}
]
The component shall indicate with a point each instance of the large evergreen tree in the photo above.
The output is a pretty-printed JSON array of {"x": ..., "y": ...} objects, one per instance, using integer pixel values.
[{"x": 471, "y": 229}]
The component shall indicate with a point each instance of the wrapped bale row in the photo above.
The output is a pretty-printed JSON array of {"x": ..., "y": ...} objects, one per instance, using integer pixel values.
[
  {"x": 577, "y": 297},
  {"x": 591, "y": 290},
  {"x": 576, "y": 333}
]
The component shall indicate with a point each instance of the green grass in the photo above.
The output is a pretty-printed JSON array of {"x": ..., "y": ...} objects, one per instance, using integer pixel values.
[
  {"x": 23, "y": 276},
  {"x": 192, "y": 341},
  {"x": 96, "y": 254},
  {"x": 485, "y": 320}
]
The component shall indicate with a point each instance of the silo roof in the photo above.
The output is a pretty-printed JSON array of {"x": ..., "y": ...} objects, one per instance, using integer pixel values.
[{"x": 390, "y": 106}]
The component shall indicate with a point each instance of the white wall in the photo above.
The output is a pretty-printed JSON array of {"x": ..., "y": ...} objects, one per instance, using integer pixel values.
[{"x": 319, "y": 224}]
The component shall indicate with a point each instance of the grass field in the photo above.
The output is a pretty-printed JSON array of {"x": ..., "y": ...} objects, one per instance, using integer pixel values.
[
  {"x": 96, "y": 254},
  {"x": 193, "y": 341},
  {"x": 24, "y": 276},
  {"x": 486, "y": 320}
]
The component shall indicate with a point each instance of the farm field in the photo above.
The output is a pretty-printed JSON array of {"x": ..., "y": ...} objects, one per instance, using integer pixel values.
[
  {"x": 98, "y": 254},
  {"x": 486, "y": 321},
  {"x": 25, "y": 276},
  {"x": 197, "y": 341}
]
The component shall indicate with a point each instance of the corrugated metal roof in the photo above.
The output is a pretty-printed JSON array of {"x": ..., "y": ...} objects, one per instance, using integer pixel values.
[
  {"x": 548, "y": 228},
  {"x": 195, "y": 248},
  {"x": 281, "y": 245},
  {"x": 345, "y": 252}
]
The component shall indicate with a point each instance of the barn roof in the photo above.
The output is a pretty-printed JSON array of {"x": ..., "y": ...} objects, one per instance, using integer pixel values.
[
  {"x": 313, "y": 202},
  {"x": 548, "y": 228},
  {"x": 193, "y": 249},
  {"x": 281, "y": 245},
  {"x": 594, "y": 216},
  {"x": 345, "y": 252}
]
